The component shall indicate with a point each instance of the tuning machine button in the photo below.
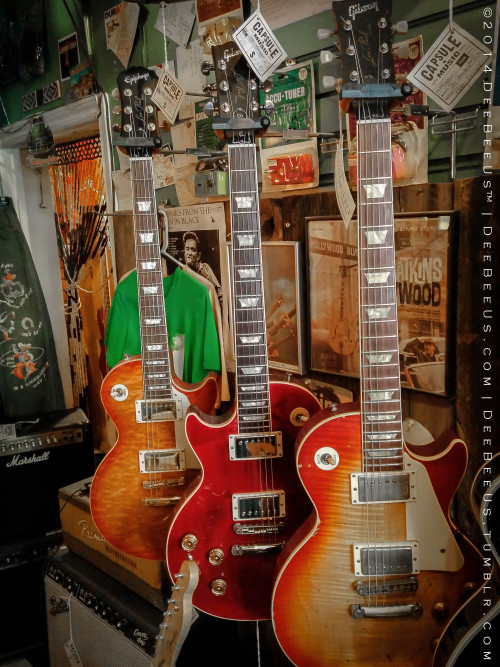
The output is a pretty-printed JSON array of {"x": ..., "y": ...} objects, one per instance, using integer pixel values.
[
  {"x": 189, "y": 542},
  {"x": 207, "y": 67},
  {"x": 115, "y": 94},
  {"x": 218, "y": 587},
  {"x": 210, "y": 109},
  {"x": 268, "y": 106},
  {"x": 210, "y": 89},
  {"x": 266, "y": 86},
  {"x": 324, "y": 33}
]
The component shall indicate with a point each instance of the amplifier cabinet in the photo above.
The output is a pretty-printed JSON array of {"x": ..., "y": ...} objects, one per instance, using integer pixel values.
[
  {"x": 42, "y": 457},
  {"x": 107, "y": 624}
]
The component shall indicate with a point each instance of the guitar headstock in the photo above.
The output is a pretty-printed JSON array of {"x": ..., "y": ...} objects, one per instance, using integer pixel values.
[
  {"x": 139, "y": 126},
  {"x": 239, "y": 110},
  {"x": 365, "y": 36}
]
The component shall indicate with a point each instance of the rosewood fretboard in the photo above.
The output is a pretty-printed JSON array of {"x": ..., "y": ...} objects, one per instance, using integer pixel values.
[
  {"x": 380, "y": 373},
  {"x": 156, "y": 373},
  {"x": 252, "y": 374}
]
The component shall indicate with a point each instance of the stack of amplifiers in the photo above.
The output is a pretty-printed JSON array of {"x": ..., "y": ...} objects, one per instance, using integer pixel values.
[
  {"x": 35, "y": 462},
  {"x": 147, "y": 578},
  {"x": 95, "y": 618}
]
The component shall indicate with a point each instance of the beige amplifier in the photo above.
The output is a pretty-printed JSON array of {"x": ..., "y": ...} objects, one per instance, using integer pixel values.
[{"x": 147, "y": 578}]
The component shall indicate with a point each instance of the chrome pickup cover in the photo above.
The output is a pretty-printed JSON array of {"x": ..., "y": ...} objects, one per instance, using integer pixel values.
[
  {"x": 158, "y": 410},
  {"x": 382, "y": 487},
  {"x": 255, "y": 446},
  {"x": 161, "y": 460},
  {"x": 386, "y": 558},
  {"x": 247, "y": 506}
]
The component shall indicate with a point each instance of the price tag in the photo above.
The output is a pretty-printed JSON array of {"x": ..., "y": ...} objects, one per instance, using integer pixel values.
[
  {"x": 450, "y": 67},
  {"x": 260, "y": 47},
  {"x": 168, "y": 95},
  {"x": 72, "y": 654},
  {"x": 345, "y": 199}
]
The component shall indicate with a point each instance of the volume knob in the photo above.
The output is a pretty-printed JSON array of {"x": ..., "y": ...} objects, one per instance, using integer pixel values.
[
  {"x": 215, "y": 556},
  {"x": 189, "y": 542},
  {"x": 218, "y": 587}
]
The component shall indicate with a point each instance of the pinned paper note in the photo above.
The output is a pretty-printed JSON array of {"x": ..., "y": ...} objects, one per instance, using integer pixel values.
[
  {"x": 121, "y": 24},
  {"x": 345, "y": 199}
]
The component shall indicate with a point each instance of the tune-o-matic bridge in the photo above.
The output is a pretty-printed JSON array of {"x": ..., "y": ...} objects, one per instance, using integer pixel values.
[
  {"x": 259, "y": 529},
  {"x": 382, "y": 487},
  {"x": 158, "y": 410},
  {"x": 386, "y": 587},
  {"x": 161, "y": 460},
  {"x": 269, "y": 505},
  {"x": 255, "y": 446}
]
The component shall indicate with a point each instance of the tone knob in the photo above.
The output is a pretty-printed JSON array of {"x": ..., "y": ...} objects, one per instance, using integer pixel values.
[
  {"x": 189, "y": 542},
  {"x": 440, "y": 610},
  {"x": 218, "y": 587},
  {"x": 215, "y": 556},
  {"x": 469, "y": 588}
]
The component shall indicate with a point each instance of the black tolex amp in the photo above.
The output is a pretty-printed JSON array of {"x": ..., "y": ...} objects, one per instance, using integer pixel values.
[
  {"x": 37, "y": 458},
  {"x": 95, "y": 618}
]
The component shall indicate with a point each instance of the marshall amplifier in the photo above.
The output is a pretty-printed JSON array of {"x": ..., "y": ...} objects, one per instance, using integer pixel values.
[
  {"x": 37, "y": 458},
  {"x": 94, "y": 620}
]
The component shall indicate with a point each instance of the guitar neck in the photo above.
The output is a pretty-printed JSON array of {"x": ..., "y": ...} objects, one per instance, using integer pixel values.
[
  {"x": 252, "y": 374},
  {"x": 156, "y": 373},
  {"x": 380, "y": 374}
]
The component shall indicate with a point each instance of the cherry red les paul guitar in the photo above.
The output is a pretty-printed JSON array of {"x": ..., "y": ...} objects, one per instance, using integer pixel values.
[
  {"x": 378, "y": 570},
  {"x": 138, "y": 483},
  {"x": 249, "y": 501}
]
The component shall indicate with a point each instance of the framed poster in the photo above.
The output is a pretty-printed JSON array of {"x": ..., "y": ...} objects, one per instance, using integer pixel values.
[
  {"x": 282, "y": 265},
  {"x": 425, "y": 292}
]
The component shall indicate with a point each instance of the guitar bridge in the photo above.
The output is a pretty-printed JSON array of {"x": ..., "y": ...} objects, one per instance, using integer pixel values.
[
  {"x": 160, "y": 502},
  {"x": 409, "y": 585},
  {"x": 262, "y": 529},
  {"x": 390, "y": 611},
  {"x": 161, "y": 483}
]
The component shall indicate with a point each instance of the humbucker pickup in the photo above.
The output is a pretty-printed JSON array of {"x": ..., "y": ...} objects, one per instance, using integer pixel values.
[
  {"x": 386, "y": 559},
  {"x": 247, "y": 506},
  {"x": 382, "y": 487},
  {"x": 255, "y": 446},
  {"x": 161, "y": 460},
  {"x": 158, "y": 410}
]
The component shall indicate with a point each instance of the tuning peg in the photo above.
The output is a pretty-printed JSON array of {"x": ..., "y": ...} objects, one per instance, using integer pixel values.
[
  {"x": 268, "y": 106},
  {"x": 210, "y": 109},
  {"x": 401, "y": 50},
  {"x": 267, "y": 86},
  {"x": 331, "y": 83},
  {"x": 115, "y": 94},
  {"x": 206, "y": 67},
  {"x": 326, "y": 57},
  {"x": 400, "y": 28},
  {"x": 210, "y": 89},
  {"x": 324, "y": 33},
  {"x": 116, "y": 110},
  {"x": 116, "y": 127}
]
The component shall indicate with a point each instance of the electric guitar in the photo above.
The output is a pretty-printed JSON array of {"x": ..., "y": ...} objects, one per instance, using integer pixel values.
[
  {"x": 238, "y": 516},
  {"x": 138, "y": 483},
  {"x": 178, "y": 617},
  {"x": 472, "y": 635},
  {"x": 378, "y": 569}
]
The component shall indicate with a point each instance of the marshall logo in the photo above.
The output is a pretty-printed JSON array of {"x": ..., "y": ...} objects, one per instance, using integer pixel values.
[
  {"x": 18, "y": 461},
  {"x": 354, "y": 10}
]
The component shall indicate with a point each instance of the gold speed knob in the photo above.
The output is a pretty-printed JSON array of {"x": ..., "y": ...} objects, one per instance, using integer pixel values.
[
  {"x": 218, "y": 587},
  {"x": 189, "y": 542},
  {"x": 215, "y": 556}
]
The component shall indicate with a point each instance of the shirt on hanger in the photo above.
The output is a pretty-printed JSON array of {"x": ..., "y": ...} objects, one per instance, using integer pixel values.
[{"x": 190, "y": 324}]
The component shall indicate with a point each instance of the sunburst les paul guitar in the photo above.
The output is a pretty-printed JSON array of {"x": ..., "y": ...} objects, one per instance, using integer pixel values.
[
  {"x": 378, "y": 570},
  {"x": 249, "y": 501},
  {"x": 138, "y": 483}
]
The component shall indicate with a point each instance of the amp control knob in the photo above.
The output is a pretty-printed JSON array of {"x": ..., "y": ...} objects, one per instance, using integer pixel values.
[
  {"x": 189, "y": 542},
  {"x": 218, "y": 587}
]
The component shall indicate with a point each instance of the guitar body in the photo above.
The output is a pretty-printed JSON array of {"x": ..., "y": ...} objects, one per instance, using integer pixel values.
[
  {"x": 315, "y": 590},
  {"x": 343, "y": 338},
  {"x": 207, "y": 514},
  {"x": 117, "y": 487}
]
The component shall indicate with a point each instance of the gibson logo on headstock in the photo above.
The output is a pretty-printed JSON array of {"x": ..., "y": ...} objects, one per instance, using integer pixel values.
[
  {"x": 354, "y": 10},
  {"x": 133, "y": 78},
  {"x": 231, "y": 53}
]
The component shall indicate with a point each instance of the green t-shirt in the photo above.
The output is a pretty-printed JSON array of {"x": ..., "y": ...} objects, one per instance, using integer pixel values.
[{"x": 190, "y": 322}]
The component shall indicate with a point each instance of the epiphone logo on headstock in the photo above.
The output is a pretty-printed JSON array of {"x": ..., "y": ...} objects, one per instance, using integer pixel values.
[
  {"x": 354, "y": 10},
  {"x": 133, "y": 78}
]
